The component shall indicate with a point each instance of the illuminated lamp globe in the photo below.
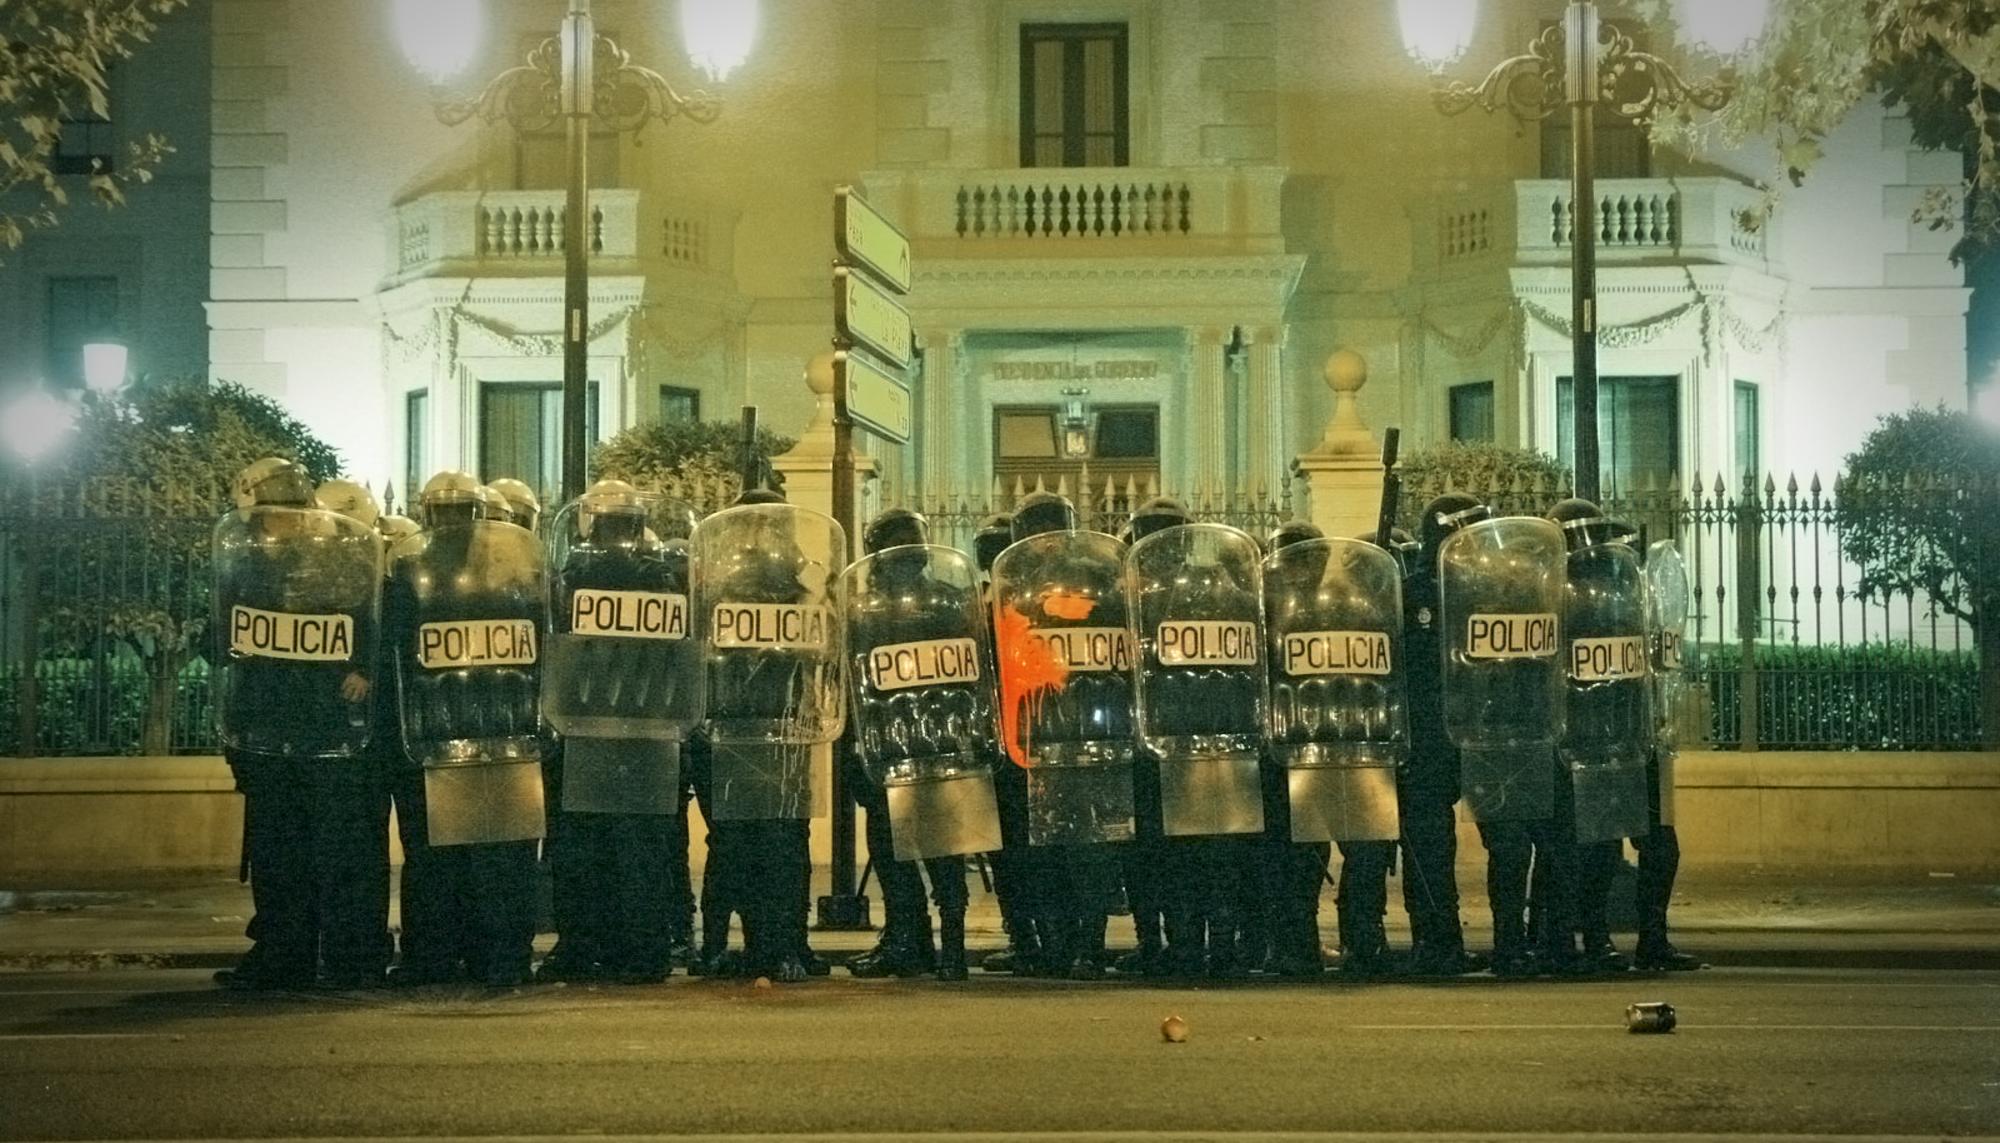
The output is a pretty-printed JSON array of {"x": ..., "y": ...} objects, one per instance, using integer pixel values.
[
  {"x": 104, "y": 365},
  {"x": 1437, "y": 32},
  {"x": 439, "y": 37},
  {"x": 35, "y": 423},
  {"x": 718, "y": 34},
  {"x": 1724, "y": 27}
]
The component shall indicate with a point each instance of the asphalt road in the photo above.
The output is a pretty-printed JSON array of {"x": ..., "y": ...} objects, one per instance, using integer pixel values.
[{"x": 154, "y": 1054}]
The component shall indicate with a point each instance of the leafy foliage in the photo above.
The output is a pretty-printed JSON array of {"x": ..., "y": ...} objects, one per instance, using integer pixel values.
[
  {"x": 1917, "y": 512},
  {"x": 54, "y": 55},
  {"x": 1877, "y": 696},
  {"x": 697, "y": 460},
  {"x": 1508, "y": 478}
]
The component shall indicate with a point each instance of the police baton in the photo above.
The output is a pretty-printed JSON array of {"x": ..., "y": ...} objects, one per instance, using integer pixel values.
[
  {"x": 747, "y": 456},
  {"x": 1392, "y": 488}
]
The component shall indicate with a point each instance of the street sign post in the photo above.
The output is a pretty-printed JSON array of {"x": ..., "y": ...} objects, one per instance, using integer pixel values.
[{"x": 872, "y": 354}]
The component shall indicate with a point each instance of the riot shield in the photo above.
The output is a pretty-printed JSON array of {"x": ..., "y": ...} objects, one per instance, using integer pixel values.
[
  {"x": 470, "y": 607},
  {"x": 772, "y": 653},
  {"x": 1197, "y": 599},
  {"x": 923, "y": 697},
  {"x": 1065, "y": 652},
  {"x": 1339, "y": 719},
  {"x": 1501, "y": 592},
  {"x": 1608, "y": 721},
  {"x": 1667, "y": 598},
  {"x": 623, "y": 680},
  {"x": 297, "y": 613}
]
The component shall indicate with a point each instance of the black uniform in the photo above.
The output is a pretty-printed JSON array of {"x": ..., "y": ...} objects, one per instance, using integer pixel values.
[{"x": 1427, "y": 787}]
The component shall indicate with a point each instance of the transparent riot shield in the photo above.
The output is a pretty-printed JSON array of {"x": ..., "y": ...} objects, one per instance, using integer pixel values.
[
  {"x": 623, "y": 679},
  {"x": 469, "y": 606},
  {"x": 1608, "y": 721},
  {"x": 1667, "y": 598},
  {"x": 1064, "y": 645},
  {"x": 923, "y": 697},
  {"x": 297, "y": 614},
  {"x": 1339, "y": 717},
  {"x": 1198, "y": 611},
  {"x": 772, "y": 654},
  {"x": 1501, "y": 593}
]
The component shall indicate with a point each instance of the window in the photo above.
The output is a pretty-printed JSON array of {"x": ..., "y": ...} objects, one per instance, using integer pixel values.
[
  {"x": 1623, "y": 147},
  {"x": 1638, "y": 429},
  {"x": 1749, "y": 429},
  {"x": 1472, "y": 411},
  {"x": 88, "y": 144},
  {"x": 1025, "y": 435},
  {"x": 1075, "y": 101},
  {"x": 520, "y": 433},
  {"x": 678, "y": 404},
  {"x": 81, "y": 310},
  {"x": 416, "y": 443},
  {"x": 1128, "y": 434}
]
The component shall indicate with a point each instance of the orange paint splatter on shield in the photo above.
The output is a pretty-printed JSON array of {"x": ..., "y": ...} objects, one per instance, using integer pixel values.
[
  {"x": 1064, "y": 605},
  {"x": 1029, "y": 671}
]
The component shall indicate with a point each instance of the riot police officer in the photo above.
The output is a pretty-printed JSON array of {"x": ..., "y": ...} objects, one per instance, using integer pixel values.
[
  {"x": 1015, "y": 880},
  {"x": 923, "y": 744},
  {"x": 1065, "y": 657},
  {"x": 297, "y": 600},
  {"x": 1160, "y": 888},
  {"x": 1428, "y": 785},
  {"x": 1659, "y": 848},
  {"x": 467, "y": 606},
  {"x": 773, "y": 661}
]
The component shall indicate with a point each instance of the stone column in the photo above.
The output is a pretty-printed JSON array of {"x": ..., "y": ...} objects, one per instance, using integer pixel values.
[
  {"x": 942, "y": 402},
  {"x": 1264, "y": 407},
  {"x": 1343, "y": 473},
  {"x": 808, "y": 467},
  {"x": 1206, "y": 423}
]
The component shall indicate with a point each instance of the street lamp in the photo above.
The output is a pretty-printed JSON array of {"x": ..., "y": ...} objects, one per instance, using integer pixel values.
[
  {"x": 104, "y": 367},
  {"x": 1583, "y": 63},
  {"x": 560, "y": 82}
]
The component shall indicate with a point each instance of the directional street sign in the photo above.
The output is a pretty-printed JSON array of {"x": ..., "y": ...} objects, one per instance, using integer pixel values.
[
  {"x": 876, "y": 397},
  {"x": 864, "y": 237},
  {"x": 867, "y": 316}
]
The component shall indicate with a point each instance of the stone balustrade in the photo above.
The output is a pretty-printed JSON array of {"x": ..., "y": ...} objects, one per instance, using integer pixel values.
[
  {"x": 488, "y": 233},
  {"x": 1189, "y": 209},
  {"x": 1639, "y": 221}
]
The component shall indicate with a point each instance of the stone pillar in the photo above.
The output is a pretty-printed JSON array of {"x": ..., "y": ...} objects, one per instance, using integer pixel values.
[
  {"x": 1343, "y": 473},
  {"x": 942, "y": 403},
  {"x": 1264, "y": 407},
  {"x": 808, "y": 467},
  {"x": 1206, "y": 426}
]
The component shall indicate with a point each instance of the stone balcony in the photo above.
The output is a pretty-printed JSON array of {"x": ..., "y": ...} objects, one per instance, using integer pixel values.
[
  {"x": 1091, "y": 212},
  {"x": 1640, "y": 222},
  {"x": 487, "y": 234}
]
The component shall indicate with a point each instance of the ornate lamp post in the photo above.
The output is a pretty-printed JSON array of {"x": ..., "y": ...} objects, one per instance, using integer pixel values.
[
  {"x": 561, "y": 81},
  {"x": 1583, "y": 64}
]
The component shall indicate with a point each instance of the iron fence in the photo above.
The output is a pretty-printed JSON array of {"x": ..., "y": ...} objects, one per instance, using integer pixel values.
[{"x": 1802, "y": 634}]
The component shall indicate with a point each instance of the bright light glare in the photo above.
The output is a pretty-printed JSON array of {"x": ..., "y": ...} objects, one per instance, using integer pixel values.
[
  {"x": 439, "y": 37},
  {"x": 37, "y": 422},
  {"x": 1987, "y": 403},
  {"x": 104, "y": 364},
  {"x": 718, "y": 34},
  {"x": 1437, "y": 32},
  {"x": 1725, "y": 27}
]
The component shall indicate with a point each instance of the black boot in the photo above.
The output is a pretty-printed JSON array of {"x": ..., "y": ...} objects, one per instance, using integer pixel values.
[
  {"x": 951, "y": 945},
  {"x": 1088, "y": 961},
  {"x": 1601, "y": 955}
]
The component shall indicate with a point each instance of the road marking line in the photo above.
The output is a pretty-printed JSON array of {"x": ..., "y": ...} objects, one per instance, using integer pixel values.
[{"x": 92, "y": 1036}]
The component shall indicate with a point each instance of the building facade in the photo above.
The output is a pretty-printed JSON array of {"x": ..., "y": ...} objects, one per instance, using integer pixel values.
[{"x": 1140, "y": 227}]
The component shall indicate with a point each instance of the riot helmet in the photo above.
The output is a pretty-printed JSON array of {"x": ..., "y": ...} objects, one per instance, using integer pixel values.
[
  {"x": 894, "y": 528},
  {"x": 1292, "y": 532},
  {"x": 995, "y": 533},
  {"x": 1583, "y": 523},
  {"x": 1445, "y": 515},
  {"x": 350, "y": 499},
  {"x": 758, "y": 496},
  {"x": 450, "y": 497},
  {"x": 1040, "y": 512},
  {"x": 522, "y": 503},
  {"x": 1157, "y": 515},
  {"x": 611, "y": 514},
  {"x": 393, "y": 528},
  {"x": 493, "y": 506},
  {"x": 272, "y": 481}
]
